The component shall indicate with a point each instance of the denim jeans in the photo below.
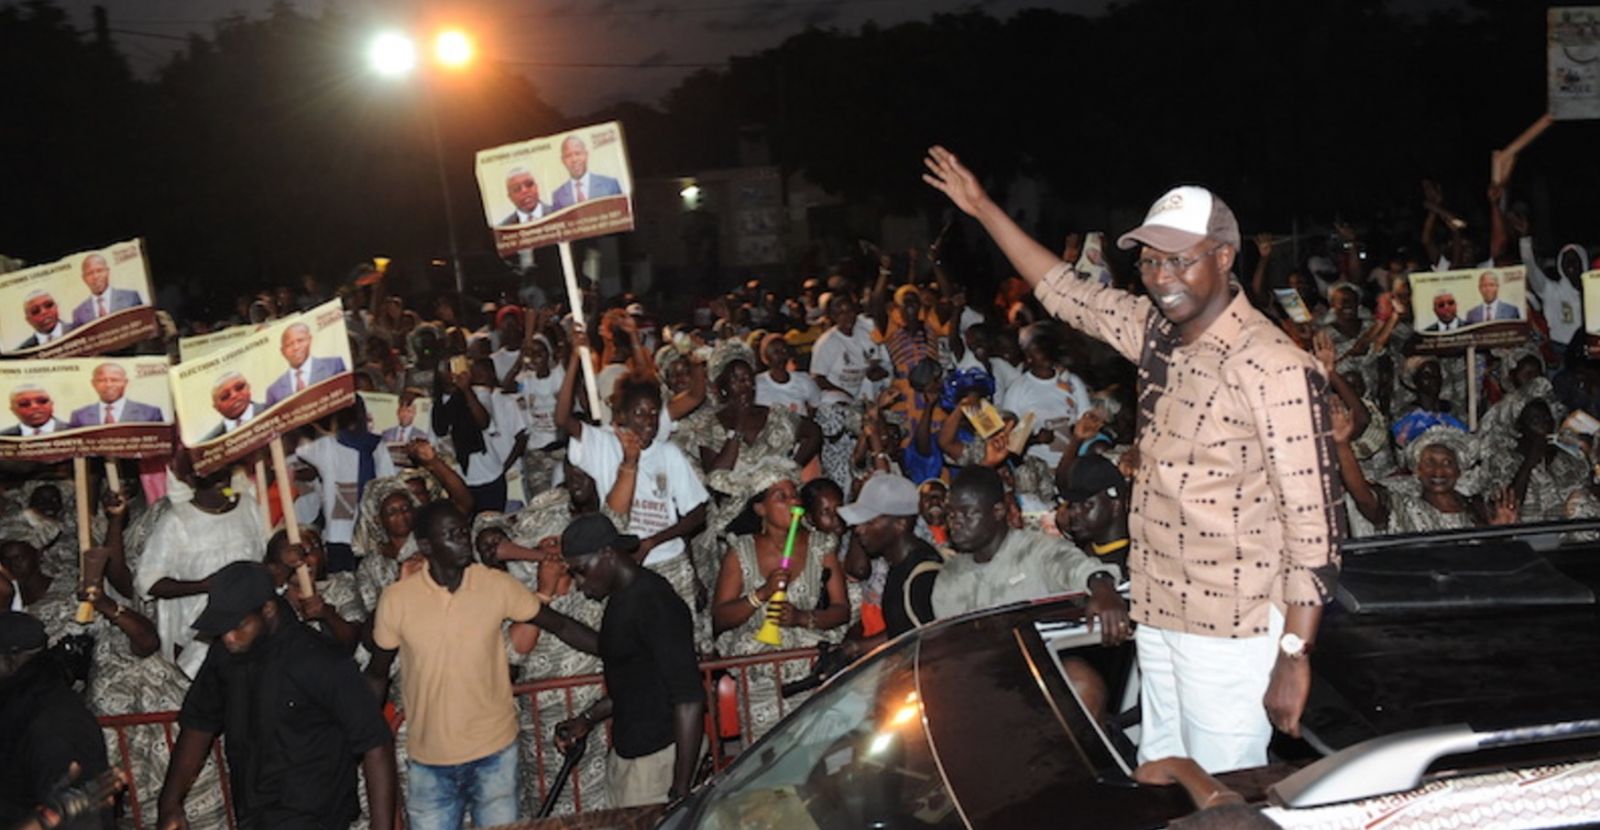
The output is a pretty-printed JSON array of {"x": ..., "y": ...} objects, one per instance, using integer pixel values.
[{"x": 440, "y": 796}]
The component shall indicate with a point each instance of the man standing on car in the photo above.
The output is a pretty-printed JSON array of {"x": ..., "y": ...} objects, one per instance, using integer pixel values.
[
  {"x": 654, "y": 691},
  {"x": 1236, "y": 502}
]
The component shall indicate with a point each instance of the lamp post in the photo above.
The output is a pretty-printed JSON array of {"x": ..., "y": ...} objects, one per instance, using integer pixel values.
[{"x": 394, "y": 55}]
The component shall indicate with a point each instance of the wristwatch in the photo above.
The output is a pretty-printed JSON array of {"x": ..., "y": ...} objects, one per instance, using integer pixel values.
[{"x": 1292, "y": 646}]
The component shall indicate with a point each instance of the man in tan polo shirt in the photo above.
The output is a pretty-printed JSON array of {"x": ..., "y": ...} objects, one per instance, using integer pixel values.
[
  {"x": 445, "y": 622},
  {"x": 1237, "y": 506}
]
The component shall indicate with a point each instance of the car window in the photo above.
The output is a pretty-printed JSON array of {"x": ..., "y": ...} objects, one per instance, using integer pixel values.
[{"x": 856, "y": 755}]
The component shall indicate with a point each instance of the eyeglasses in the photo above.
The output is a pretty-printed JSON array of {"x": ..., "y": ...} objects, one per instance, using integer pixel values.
[{"x": 1173, "y": 264}]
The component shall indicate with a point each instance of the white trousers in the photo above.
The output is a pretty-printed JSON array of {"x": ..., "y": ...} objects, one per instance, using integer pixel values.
[{"x": 1201, "y": 697}]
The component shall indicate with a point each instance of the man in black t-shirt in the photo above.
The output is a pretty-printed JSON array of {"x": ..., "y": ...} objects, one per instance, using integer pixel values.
[
  {"x": 884, "y": 516},
  {"x": 294, "y": 712},
  {"x": 655, "y": 694}
]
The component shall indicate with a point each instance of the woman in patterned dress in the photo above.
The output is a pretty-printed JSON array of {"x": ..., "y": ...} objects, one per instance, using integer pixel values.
[
  {"x": 816, "y": 607},
  {"x": 737, "y": 435},
  {"x": 1437, "y": 458}
]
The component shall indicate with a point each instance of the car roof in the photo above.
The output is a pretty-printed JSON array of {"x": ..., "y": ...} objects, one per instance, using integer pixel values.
[{"x": 1012, "y": 743}]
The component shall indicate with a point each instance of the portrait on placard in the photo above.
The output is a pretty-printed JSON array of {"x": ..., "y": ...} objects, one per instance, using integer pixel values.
[
  {"x": 58, "y": 409},
  {"x": 234, "y": 399},
  {"x": 86, "y": 303},
  {"x": 1475, "y": 306},
  {"x": 400, "y": 419},
  {"x": 557, "y": 188}
]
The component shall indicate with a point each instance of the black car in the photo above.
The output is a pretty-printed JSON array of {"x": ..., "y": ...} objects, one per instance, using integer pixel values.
[{"x": 1457, "y": 679}]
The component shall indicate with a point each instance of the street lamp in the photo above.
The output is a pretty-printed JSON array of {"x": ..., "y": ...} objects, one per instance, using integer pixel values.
[{"x": 394, "y": 55}]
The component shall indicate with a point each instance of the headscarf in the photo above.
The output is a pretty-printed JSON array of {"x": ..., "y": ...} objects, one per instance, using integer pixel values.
[
  {"x": 1465, "y": 449},
  {"x": 726, "y": 354},
  {"x": 369, "y": 534},
  {"x": 546, "y": 515},
  {"x": 751, "y": 479}
]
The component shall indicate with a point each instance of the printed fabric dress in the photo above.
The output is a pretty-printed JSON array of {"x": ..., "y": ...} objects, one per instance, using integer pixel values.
[
  {"x": 763, "y": 705},
  {"x": 537, "y": 715},
  {"x": 702, "y": 430}
]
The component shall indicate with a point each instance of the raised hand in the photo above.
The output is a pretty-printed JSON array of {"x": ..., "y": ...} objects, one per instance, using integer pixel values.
[
  {"x": 946, "y": 173},
  {"x": 630, "y": 446},
  {"x": 422, "y": 451},
  {"x": 1088, "y": 425},
  {"x": 1344, "y": 425},
  {"x": 1264, "y": 244},
  {"x": 1073, "y": 247},
  {"x": 1503, "y": 508},
  {"x": 1322, "y": 350}
]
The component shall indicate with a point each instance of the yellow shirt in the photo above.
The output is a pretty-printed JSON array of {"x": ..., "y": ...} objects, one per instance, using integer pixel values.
[{"x": 456, "y": 681}]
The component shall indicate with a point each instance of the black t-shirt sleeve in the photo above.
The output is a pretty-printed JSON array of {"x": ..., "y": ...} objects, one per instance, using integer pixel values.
[
  {"x": 204, "y": 705},
  {"x": 337, "y": 685},
  {"x": 919, "y": 596},
  {"x": 668, "y": 632}
]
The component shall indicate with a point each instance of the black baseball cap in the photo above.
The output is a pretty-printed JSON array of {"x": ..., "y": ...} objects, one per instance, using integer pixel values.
[
  {"x": 20, "y": 632},
  {"x": 591, "y": 533},
  {"x": 237, "y": 591},
  {"x": 1092, "y": 474}
]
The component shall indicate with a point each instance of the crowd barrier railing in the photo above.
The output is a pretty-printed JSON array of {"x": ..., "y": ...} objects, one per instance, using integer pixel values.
[{"x": 726, "y": 681}]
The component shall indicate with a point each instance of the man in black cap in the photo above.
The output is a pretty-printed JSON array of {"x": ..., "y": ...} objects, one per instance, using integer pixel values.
[
  {"x": 1094, "y": 509},
  {"x": 295, "y": 710},
  {"x": 653, "y": 680},
  {"x": 44, "y": 726}
]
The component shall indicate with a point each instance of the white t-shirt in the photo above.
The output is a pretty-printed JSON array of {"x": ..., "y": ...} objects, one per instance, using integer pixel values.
[
  {"x": 536, "y": 397},
  {"x": 667, "y": 486},
  {"x": 842, "y": 359},
  {"x": 503, "y": 360},
  {"x": 1061, "y": 399},
  {"x": 1562, "y": 302},
  {"x": 1004, "y": 375},
  {"x": 499, "y": 439},
  {"x": 339, "y": 468},
  {"x": 800, "y": 395}
]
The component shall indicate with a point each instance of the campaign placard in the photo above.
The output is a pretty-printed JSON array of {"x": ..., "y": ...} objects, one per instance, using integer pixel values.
[
  {"x": 233, "y": 401},
  {"x": 60, "y": 409},
  {"x": 88, "y": 303},
  {"x": 558, "y": 188},
  {"x": 199, "y": 345},
  {"x": 1485, "y": 307},
  {"x": 1573, "y": 62},
  {"x": 399, "y": 425}
]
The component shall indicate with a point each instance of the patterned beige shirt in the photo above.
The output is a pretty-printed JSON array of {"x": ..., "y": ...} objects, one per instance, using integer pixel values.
[{"x": 1237, "y": 503}]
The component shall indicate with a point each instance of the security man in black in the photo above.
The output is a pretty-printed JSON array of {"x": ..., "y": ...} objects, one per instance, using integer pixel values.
[{"x": 293, "y": 711}]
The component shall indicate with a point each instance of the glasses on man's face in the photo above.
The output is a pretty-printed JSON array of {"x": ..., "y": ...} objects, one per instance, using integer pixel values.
[{"x": 1172, "y": 264}]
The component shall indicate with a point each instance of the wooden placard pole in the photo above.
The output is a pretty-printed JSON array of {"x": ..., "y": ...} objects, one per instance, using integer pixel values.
[
  {"x": 113, "y": 476},
  {"x": 575, "y": 301},
  {"x": 80, "y": 484},
  {"x": 1472, "y": 388},
  {"x": 263, "y": 503},
  {"x": 280, "y": 469},
  {"x": 1502, "y": 161}
]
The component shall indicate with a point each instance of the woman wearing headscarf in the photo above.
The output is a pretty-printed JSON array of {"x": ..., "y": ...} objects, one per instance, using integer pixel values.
[
  {"x": 1437, "y": 458},
  {"x": 1534, "y": 463},
  {"x": 536, "y": 530},
  {"x": 815, "y": 608},
  {"x": 737, "y": 434},
  {"x": 383, "y": 540}
]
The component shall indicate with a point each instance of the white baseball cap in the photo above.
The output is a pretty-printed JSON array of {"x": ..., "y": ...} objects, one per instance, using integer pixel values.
[
  {"x": 1181, "y": 219},
  {"x": 883, "y": 495}
]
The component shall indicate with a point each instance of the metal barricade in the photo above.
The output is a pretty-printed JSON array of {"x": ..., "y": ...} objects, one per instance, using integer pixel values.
[{"x": 719, "y": 730}]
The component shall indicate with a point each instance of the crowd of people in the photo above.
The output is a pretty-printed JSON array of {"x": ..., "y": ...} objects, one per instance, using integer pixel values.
[{"x": 842, "y": 460}]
